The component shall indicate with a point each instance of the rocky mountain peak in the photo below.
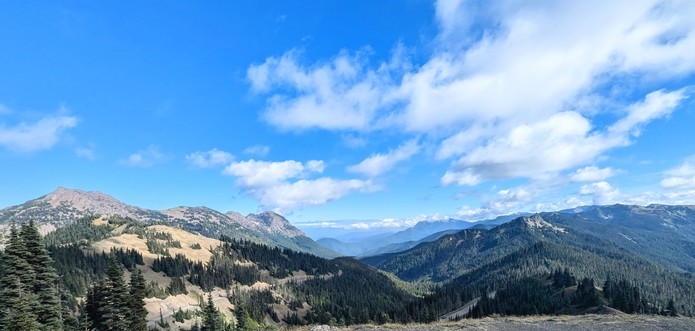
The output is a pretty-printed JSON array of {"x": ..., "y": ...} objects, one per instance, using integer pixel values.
[
  {"x": 537, "y": 222},
  {"x": 275, "y": 222},
  {"x": 79, "y": 199}
]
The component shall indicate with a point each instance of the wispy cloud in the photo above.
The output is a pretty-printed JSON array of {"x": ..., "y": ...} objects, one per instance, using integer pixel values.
[
  {"x": 85, "y": 153},
  {"x": 258, "y": 150},
  {"x": 145, "y": 158},
  {"x": 377, "y": 164},
  {"x": 210, "y": 159},
  {"x": 40, "y": 135}
]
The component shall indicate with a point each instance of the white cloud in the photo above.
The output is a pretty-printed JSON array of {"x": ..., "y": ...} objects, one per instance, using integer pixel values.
[
  {"x": 592, "y": 174},
  {"x": 145, "y": 158},
  {"x": 210, "y": 159},
  {"x": 386, "y": 223},
  {"x": 377, "y": 164},
  {"x": 341, "y": 94},
  {"x": 85, "y": 153},
  {"x": 305, "y": 192},
  {"x": 32, "y": 137},
  {"x": 656, "y": 104},
  {"x": 601, "y": 193},
  {"x": 512, "y": 89},
  {"x": 464, "y": 178},
  {"x": 681, "y": 177},
  {"x": 285, "y": 186},
  {"x": 563, "y": 141},
  {"x": 258, "y": 150},
  {"x": 254, "y": 173}
]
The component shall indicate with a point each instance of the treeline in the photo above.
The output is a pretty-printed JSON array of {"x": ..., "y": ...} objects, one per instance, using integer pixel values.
[
  {"x": 79, "y": 270},
  {"x": 357, "y": 294},
  {"x": 557, "y": 293},
  {"x": 227, "y": 264}
]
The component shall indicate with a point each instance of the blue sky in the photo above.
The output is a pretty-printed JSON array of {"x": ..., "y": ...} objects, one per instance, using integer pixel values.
[{"x": 371, "y": 113}]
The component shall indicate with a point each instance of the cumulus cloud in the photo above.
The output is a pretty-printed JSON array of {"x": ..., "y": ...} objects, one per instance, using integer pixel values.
[
  {"x": 601, "y": 193},
  {"x": 377, "y": 164},
  {"x": 592, "y": 174},
  {"x": 145, "y": 158},
  {"x": 563, "y": 141},
  {"x": 32, "y": 137},
  {"x": 512, "y": 89},
  {"x": 210, "y": 159},
  {"x": 258, "y": 150},
  {"x": 340, "y": 94},
  {"x": 286, "y": 185}
]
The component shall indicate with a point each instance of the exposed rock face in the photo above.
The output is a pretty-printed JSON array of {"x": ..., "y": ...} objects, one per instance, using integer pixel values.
[{"x": 275, "y": 223}]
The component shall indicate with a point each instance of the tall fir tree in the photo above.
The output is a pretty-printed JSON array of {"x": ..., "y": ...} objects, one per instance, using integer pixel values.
[
  {"x": 44, "y": 286},
  {"x": 16, "y": 287},
  {"x": 114, "y": 302},
  {"x": 92, "y": 309},
  {"x": 211, "y": 317},
  {"x": 137, "y": 313}
]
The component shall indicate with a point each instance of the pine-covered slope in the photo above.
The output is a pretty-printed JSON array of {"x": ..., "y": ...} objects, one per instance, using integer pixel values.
[
  {"x": 63, "y": 206},
  {"x": 664, "y": 234},
  {"x": 269, "y": 284},
  {"x": 532, "y": 246}
]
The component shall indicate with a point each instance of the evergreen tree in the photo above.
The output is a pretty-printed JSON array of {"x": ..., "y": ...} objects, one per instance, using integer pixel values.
[
  {"x": 93, "y": 307},
  {"x": 671, "y": 309},
  {"x": 137, "y": 313},
  {"x": 114, "y": 304},
  {"x": 44, "y": 286},
  {"x": 16, "y": 287},
  {"x": 211, "y": 317}
]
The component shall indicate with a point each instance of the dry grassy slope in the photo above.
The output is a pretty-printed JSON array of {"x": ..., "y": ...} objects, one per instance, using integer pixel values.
[
  {"x": 191, "y": 301},
  {"x": 171, "y": 304}
]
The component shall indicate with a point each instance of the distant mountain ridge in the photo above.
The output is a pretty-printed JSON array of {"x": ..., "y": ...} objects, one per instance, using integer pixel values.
[
  {"x": 421, "y": 232},
  {"x": 64, "y": 205}
]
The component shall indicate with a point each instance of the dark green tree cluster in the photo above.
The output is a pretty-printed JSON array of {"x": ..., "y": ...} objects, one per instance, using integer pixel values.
[
  {"x": 81, "y": 231},
  {"x": 80, "y": 269},
  {"x": 177, "y": 286},
  {"x": 114, "y": 306},
  {"x": 29, "y": 297},
  {"x": 212, "y": 321},
  {"x": 586, "y": 295},
  {"x": 624, "y": 296},
  {"x": 358, "y": 295}
]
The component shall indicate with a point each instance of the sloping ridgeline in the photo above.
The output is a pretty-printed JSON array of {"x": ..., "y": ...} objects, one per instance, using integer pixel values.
[{"x": 472, "y": 259}]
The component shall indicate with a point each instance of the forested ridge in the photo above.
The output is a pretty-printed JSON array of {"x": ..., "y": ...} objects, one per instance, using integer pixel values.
[{"x": 525, "y": 267}]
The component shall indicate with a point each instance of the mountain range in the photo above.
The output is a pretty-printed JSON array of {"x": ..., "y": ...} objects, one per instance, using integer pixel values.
[
  {"x": 421, "y": 232},
  {"x": 652, "y": 246},
  {"x": 64, "y": 206}
]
